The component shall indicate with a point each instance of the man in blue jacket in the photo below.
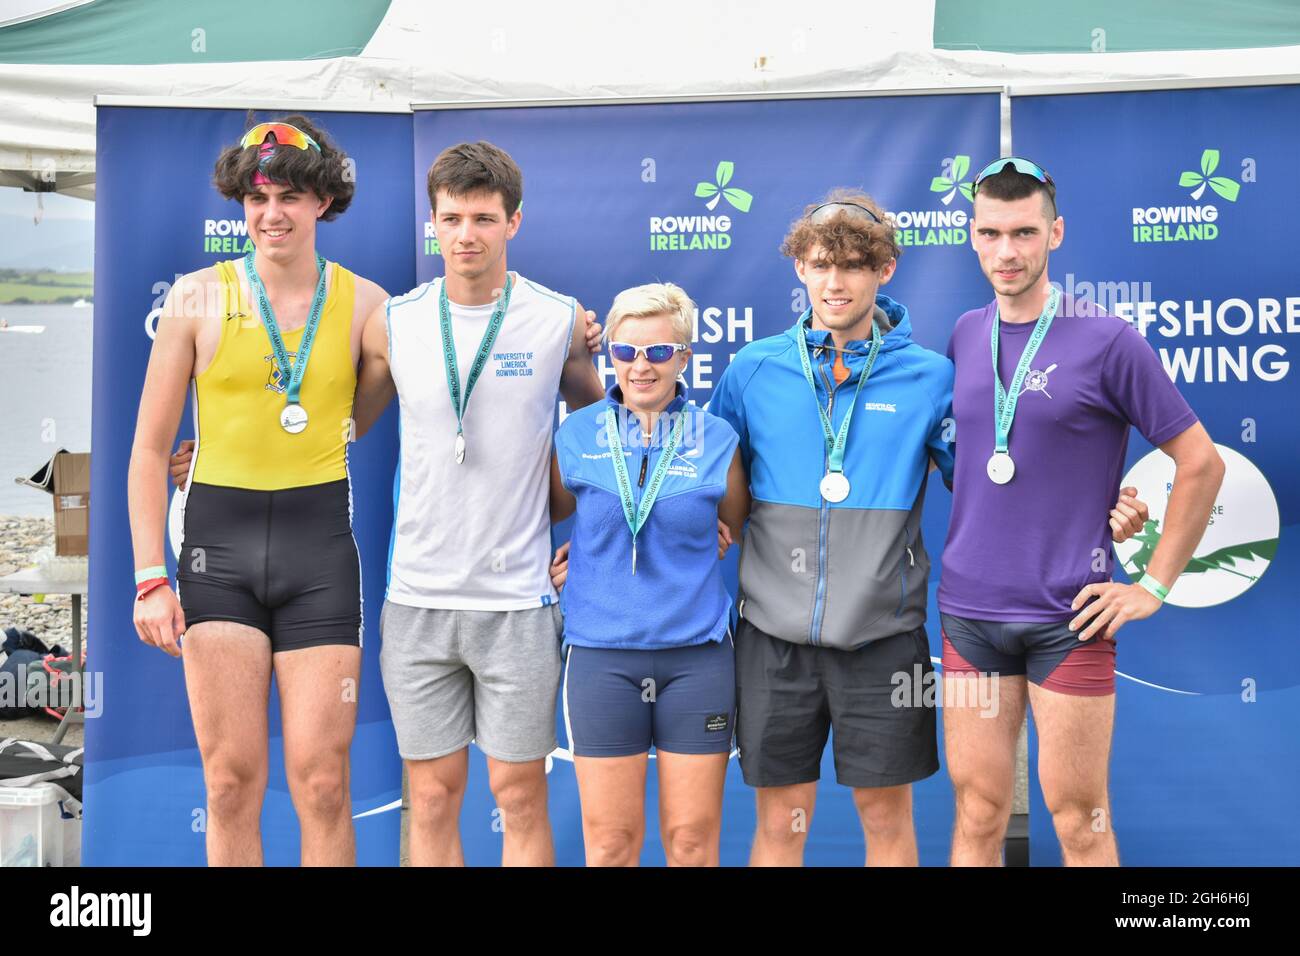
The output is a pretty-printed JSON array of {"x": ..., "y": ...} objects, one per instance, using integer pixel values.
[{"x": 838, "y": 418}]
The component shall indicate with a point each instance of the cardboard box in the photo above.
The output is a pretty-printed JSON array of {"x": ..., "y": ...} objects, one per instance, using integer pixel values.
[
  {"x": 72, "y": 504},
  {"x": 66, "y": 477}
]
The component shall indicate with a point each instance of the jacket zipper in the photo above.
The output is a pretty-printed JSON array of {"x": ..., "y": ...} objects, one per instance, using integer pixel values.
[{"x": 823, "y": 519}]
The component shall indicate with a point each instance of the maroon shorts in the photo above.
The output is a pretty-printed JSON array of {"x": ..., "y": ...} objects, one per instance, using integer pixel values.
[{"x": 1050, "y": 655}]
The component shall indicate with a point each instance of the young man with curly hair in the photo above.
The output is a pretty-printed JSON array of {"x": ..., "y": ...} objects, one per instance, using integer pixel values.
[
  {"x": 838, "y": 417},
  {"x": 269, "y": 579}
]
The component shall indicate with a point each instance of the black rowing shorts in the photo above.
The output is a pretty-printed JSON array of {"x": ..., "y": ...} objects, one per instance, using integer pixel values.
[{"x": 284, "y": 562}]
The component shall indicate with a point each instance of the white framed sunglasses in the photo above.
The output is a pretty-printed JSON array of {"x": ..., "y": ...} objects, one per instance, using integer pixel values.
[{"x": 656, "y": 354}]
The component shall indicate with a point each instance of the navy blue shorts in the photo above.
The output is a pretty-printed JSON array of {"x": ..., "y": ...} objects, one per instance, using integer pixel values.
[
  {"x": 620, "y": 702},
  {"x": 1049, "y": 655}
]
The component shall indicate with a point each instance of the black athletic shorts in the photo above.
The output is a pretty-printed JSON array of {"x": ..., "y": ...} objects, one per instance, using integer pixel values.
[
  {"x": 284, "y": 562},
  {"x": 878, "y": 700}
]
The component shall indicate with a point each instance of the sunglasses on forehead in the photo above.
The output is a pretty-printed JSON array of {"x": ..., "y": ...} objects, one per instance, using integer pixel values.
[
  {"x": 1025, "y": 166},
  {"x": 285, "y": 135},
  {"x": 828, "y": 209}
]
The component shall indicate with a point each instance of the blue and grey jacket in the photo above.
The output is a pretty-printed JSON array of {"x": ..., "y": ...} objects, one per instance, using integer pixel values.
[{"x": 837, "y": 575}]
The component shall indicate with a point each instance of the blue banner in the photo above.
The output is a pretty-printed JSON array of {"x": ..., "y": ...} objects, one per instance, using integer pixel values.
[
  {"x": 159, "y": 217},
  {"x": 1177, "y": 207},
  {"x": 701, "y": 195}
]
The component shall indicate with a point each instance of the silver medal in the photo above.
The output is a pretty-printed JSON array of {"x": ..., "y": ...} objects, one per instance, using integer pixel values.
[
  {"x": 293, "y": 419},
  {"x": 460, "y": 448},
  {"x": 834, "y": 486},
  {"x": 1001, "y": 468}
]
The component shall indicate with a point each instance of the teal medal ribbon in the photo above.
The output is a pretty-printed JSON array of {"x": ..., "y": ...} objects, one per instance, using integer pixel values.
[
  {"x": 1001, "y": 467},
  {"x": 294, "y": 417},
  {"x": 458, "y": 403},
  {"x": 834, "y": 485},
  {"x": 636, "y": 515}
]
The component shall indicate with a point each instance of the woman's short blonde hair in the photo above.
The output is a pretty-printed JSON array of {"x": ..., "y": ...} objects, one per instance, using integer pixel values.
[{"x": 657, "y": 298}]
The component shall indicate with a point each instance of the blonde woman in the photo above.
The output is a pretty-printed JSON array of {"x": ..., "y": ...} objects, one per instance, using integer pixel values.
[{"x": 649, "y": 659}]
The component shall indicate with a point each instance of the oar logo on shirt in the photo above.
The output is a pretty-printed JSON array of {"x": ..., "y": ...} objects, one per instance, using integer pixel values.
[{"x": 1036, "y": 381}]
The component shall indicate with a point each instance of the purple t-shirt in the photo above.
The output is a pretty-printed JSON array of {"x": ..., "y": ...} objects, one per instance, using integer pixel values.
[{"x": 1023, "y": 550}]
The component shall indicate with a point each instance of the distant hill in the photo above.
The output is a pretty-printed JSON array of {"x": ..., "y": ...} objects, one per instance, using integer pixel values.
[{"x": 65, "y": 245}]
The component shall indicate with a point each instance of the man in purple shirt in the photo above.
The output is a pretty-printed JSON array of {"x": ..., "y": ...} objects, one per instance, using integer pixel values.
[{"x": 1026, "y": 599}]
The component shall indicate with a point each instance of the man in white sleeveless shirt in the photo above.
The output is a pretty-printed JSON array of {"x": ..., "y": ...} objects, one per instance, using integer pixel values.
[{"x": 471, "y": 624}]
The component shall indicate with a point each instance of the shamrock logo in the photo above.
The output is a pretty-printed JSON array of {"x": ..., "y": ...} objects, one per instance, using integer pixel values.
[
  {"x": 1223, "y": 185},
  {"x": 953, "y": 183},
  {"x": 719, "y": 189}
]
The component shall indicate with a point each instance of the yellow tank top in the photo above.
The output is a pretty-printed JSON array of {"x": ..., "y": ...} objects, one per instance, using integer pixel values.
[{"x": 240, "y": 395}]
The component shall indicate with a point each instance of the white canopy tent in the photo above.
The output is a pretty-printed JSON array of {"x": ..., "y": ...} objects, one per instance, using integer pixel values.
[{"x": 586, "y": 50}]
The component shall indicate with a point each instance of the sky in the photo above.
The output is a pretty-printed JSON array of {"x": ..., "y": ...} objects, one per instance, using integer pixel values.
[{"x": 63, "y": 240}]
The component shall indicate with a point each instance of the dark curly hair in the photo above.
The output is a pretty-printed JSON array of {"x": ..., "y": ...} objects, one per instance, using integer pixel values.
[
  {"x": 326, "y": 173},
  {"x": 843, "y": 237}
]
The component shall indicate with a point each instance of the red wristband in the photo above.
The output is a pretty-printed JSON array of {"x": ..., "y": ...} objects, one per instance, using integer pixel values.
[{"x": 144, "y": 587}]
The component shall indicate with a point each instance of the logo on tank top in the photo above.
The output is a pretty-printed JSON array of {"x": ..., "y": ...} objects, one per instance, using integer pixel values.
[
  {"x": 274, "y": 380},
  {"x": 1240, "y": 540}
]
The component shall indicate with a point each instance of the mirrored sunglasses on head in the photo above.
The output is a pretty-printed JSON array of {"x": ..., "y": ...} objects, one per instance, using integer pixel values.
[
  {"x": 1020, "y": 165},
  {"x": 827, "y": 210},
  {"x": 285, "y": 135},
  {"x": 656, "y": 354}
]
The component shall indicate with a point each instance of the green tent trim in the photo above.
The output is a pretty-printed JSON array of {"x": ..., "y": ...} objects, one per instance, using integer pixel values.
[
  {"x": 1113, "y": 26},
  {"x": 146, "y": 32}
]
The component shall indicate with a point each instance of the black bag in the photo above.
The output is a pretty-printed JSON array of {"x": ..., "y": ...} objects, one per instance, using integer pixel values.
[{"x": 27, "y": 762}]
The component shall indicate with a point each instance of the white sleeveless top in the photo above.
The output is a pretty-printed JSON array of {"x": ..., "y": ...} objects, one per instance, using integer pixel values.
[{"x": 475, "y": 536}]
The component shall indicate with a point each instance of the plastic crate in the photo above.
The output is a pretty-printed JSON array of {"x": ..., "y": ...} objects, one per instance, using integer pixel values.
[{"x": 36, "y": 829}]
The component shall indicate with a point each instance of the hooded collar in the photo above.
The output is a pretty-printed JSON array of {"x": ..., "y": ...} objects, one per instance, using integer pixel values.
[{"x": 898, "y": 336}]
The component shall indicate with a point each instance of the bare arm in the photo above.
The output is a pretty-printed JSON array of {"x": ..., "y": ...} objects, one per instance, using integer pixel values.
[
  {"x": 1198, "y": 473},
  {"x": 579, "y": 383},
  {"x": 171, "y": 364},
  {"x": 375, "y": 388},
  {"x": 735, "y": 504},
  {"x": 563, "y": 503}
]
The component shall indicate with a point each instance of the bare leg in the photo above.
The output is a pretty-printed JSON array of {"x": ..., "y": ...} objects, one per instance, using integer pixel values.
[
  {"x": 1073, "y": 758},
  {"x": 437, "y": 788},
  {"x": 784, "y": 815},
  {"x": 318, "y": 706},
  {"x": 981, "y": 750},
  {"x": 690, "y": 807},
  {"x": 886, "y": 815},
  {"x": 228, "y": 679},
  {"x": 520, "y": 791},
  {"x": 612, "y": 790}
]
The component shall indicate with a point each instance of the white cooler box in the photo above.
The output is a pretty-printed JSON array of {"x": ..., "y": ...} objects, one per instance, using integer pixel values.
[
  {"x": 40, "y": 804},
  {"x": 37, "y": 827}
]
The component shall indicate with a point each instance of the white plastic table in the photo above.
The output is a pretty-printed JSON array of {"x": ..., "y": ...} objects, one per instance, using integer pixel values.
[{"x": 44, "y": 580}]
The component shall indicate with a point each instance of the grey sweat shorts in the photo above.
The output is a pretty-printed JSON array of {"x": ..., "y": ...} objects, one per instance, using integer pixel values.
[{"x": 458, "y": 676}]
